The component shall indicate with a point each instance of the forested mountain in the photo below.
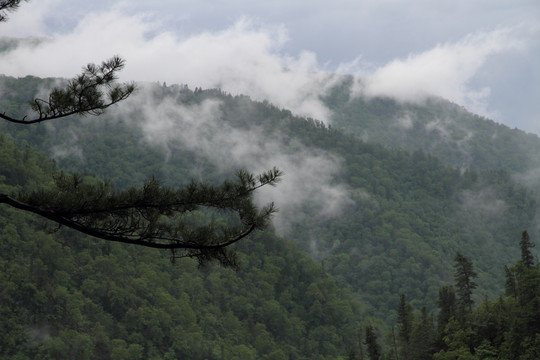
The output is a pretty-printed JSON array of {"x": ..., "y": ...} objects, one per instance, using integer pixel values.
[
  {"x": 67, "y": 296},
  {"x": 376, "y": 221},
  {"x": 436, "y": 126}
]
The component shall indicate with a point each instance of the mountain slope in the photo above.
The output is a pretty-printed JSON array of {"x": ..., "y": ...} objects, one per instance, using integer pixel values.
[
  {"x": 381, "y": 221},
  {"x": 436, "y": 126},
  {"x": 67, "y": 296}
]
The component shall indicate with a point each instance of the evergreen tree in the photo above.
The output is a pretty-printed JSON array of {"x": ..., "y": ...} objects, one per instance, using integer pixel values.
[
  {"x": 447, "y": 309},
  {"x": 404, "y": 323},
  {"x": 526, "y": 244},
  {"x": 503, "y": 329},
  {"x": 523, "y": 284},
  {"x": 373, "y": 348},
  {"x": 464, "y": 275},
  {"x": 360, "y": 345},
  {"x": 422, "y": 344},
  {"x": 153, "y": 215},
  {"x": 510, "y": 284}
]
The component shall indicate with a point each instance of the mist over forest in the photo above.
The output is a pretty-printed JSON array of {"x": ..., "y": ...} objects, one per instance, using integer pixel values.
[
  {"x": 275, "y": 181},
  {"x": 373, "y": 207}
]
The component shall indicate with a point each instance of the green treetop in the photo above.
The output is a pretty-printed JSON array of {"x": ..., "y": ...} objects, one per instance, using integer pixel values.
[{"x": 465, "y": 285}]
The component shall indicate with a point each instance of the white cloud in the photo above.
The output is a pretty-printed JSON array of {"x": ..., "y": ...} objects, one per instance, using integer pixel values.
[
  {"x": 28, "y": 20},
  {"x": 405, "y": 121},
  {"x": 240, "y": 59},
  {"x": 248, "y": 58},
  {"x": 446, "y": 70},
  {"x": 251, "y": 59},
  {"x": 311, "y": 176},
  {"x": 483, "y": 202},
  {"x": 243, "y": 58}
]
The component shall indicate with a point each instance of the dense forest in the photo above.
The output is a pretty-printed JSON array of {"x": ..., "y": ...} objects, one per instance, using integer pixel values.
[
  {"x": 361, "y": 261},
  {"x": 65, "y": 296},
  {"x": 448, "y": 131},
  {"x": 503, "y": 328}
]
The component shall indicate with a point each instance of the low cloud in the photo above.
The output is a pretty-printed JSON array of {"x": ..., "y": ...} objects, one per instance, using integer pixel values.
[
  {"x": 447, "y": 70},
  {"x": 309, "y": 180},
  {"x": 483, "y": 203},
  {"x": 247, "y": 58},
  {"x": 242, "y": 59},
  {"x": 405, "y": 121}
]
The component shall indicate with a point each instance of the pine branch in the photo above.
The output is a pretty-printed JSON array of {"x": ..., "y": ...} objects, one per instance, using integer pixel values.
[
  {"x": 171, "y": 243},
  {"x": 90, "y": 93},
  {"x": 8, "y": 6},
  {"x": 153, "y": 215}
]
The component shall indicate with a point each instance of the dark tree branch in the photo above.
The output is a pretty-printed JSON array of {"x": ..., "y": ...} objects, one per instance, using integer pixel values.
[
  {"x": 8, "y": 6},
  {"x": 105, "y": 235},
  {"x": 90, "y": 93},
  {"x": 154, "y": 216}
]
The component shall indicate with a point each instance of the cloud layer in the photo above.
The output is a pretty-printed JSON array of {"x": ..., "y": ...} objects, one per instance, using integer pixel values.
[
  {"x": 445, "y": 71},
  {"x": 249, "y": 58},
  {"x": 240, "y": 59}
]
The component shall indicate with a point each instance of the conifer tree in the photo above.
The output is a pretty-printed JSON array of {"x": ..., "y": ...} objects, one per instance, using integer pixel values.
[
  {"x": 422, "y": 343},
  {"x": 523, "y": 283},
  {"x": 464, "y": 275},
  {"x": 447, "y": 309},
  {"x": 152, "y": 215},
  {"x": 360, "y": 345},
  {"x": 510, "y": 284},
  {"x": 373, "y": 348},
  {"x": 502, "y": 329},
  {"x": 526, "y": 244},
  {"x": 404, "y": 323}
]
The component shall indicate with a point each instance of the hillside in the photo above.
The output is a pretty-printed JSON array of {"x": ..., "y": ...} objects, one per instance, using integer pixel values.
[
  {"x": 381, "y": 221},
  {"x": 436, "y": 126},
  {"x": 66, "y": 296}
]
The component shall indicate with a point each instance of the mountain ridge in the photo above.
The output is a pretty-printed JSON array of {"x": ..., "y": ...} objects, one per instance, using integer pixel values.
[{"x": 436, "y": 126}]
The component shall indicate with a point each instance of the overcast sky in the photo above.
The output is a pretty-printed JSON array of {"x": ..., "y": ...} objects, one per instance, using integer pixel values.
[{"x": 482, "y": 54}]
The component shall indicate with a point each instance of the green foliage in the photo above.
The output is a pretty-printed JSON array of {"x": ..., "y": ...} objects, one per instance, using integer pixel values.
[
  {"x": 423, "y": 336},
  {"x": 91, "y": 92},
  {"x": 436, "y": 126},
  {"x": 64, "y": 295},
  {"x": 465, "y": 284},
  {"x": 153, "y": 215},
  {"x": 405, "y": 324},
  {"x": 373, "y": 348},
  {"x": 447, "y": 310},
  {"x": 67, "y": 296},
  {"x": 527, "y": 258},
  {"x": 502, "y": 329},
  {"x": 409, "y": 216}
]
